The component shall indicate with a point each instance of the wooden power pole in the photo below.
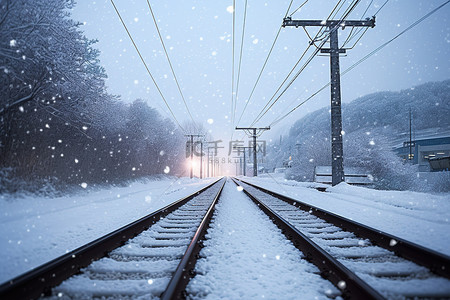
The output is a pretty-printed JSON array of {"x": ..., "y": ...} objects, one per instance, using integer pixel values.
[
  {"x": 254, "y": 133},
  {"x": 337, "y": 159},
  {"x": 191, "y": 150}
]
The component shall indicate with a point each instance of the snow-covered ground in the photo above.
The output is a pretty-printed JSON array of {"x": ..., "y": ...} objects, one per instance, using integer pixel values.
[
  {"x": 247, "y": 257},
  {"x": 36, "y": 230},
  {"x": 418, "y": 217}
]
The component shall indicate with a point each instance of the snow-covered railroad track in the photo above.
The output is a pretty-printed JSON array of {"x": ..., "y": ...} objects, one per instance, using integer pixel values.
[
  {"x": 160, "y": 250},
  {"x": 392, "y": 267}
]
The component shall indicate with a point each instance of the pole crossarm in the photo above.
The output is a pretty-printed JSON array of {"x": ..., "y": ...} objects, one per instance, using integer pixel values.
[
  {"x": 329, "y": 23},
  {"x": 250, "y": 129},
  {"x": 196, "y": 135}
]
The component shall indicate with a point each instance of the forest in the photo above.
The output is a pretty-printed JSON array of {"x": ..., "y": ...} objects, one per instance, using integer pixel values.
[{"x": 58, "y": 125}]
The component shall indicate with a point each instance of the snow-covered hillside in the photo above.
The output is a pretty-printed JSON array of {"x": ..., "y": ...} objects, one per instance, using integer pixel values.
[{"x": 372, "y": 126}]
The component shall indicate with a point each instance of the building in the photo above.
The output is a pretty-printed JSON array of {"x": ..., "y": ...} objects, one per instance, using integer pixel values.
[{"x": 422, "y": 150}]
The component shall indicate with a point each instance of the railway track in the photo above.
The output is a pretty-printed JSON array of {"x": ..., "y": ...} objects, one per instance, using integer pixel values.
[
  {"x": 155, "y": 256},
  {"x": 362, "y": 262},
  {"x": 151, "y": 257}
]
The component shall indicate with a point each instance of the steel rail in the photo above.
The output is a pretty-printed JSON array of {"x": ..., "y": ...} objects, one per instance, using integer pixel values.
[
  {"x": 185, "y": 270},
  {"x": 351, "y": 286},
  {"x": 436, "y": 262},
  {"x": 39, "y": 281}
]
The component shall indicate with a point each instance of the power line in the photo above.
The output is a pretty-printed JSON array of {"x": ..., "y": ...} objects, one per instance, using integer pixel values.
[
  {"x": 145, "y": 65},
  {"x": 367, "y": 8},
  {"x": 381, "y": 7},
  {"x": 358, "y": 31},
  {"x": 276, "y": 121},
  {"x": 263, "y": 67},
  {"x": 170, "y": 63},
  {"x": 303, "y": 4},
  {"x": 268, "y": 107},
  {"x": 240, "y": 61},
  {"x": 264, "y": 110},
  {"x": 232, "y": 65},
  {"x": 259, "y": 76},
  {"x": 395, "y": 37}
]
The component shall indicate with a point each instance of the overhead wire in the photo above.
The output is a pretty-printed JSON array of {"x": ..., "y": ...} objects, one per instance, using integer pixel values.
[
  {"x": 373, "y": 52},
  {"x": 232, "y": 64},
  {"x": 367, "y": 8},
  {"x": 265, "y": 110},
  {"x": 146, "y": 67},
  {"x": 296, "y": 64},
  {"x": 333, "y": 13},
  {"x": 357, "y": 31},
  {"x": 301, "y": 5},
  {"x": 170, "y": 63},
  {"x": 381, "y": 7},
  {"x": 240, "y": 61},
  {"x": 264, "y": 66},
  {"x": 328, "y": 84}
]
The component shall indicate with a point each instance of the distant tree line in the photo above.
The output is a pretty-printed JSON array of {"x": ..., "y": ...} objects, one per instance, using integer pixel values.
[{"x": 57, "y": 122}]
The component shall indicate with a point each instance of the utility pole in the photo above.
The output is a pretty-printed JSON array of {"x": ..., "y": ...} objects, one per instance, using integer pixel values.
[
  {"x": 207, "y": 166},
  {"x": 201, "y": 158},
  {"x": 213, "y": 165},
  {"x": 192, "y": 151},
  {"x": 241, "y": 147},
  {"x": 254, "y": 132},
  {"x": 337, "y": 159},
  {"x": 236, "y": 163},
  {"x": 410, "y": 135}
]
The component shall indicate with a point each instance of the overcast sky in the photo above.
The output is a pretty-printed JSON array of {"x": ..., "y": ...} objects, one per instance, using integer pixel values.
[{"x": 198, "y": 36}]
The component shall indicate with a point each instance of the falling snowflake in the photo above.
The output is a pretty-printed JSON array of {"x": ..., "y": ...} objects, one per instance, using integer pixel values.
[
  {"x": 240, "y": 188},
  {"x": 167, "y": 170},
  {"x": 230, "y": 9},
  {"x": 148, "y": 199},
  {"x": 210, "y": 121},
  {"x": 12, "y": 43},
  {"x": 372, "y": 143},
  {"x": 392, "y": 242},
  {"x": 255, "y": 41},
  {"x": 161, "y": 152},
  {"x": 84, "y": 185},
  {"x": 342, "y": 285},
  {"x": 150, "y": 281},
  {"x": 76, "y": 160},
  {"x": 21, "y": 109},
  {"x": 84, "y": 128}
]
